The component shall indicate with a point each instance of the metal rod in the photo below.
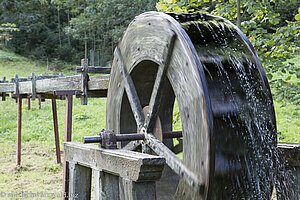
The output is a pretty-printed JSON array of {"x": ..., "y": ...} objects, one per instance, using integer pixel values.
[
  {"x": 28, "y": 103},
  {"x": 19, "y": 126},
  {"x": 130, "y": 137},
  {"x": 68, "y": 137},
  {"x": 40, "y": 103},
  {"x": 56, "y": 135}
]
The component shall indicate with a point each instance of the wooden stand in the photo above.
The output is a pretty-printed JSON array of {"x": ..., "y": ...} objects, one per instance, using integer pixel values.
[{"x": 118, "y": 174}]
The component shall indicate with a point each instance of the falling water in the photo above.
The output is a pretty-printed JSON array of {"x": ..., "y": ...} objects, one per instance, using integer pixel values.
[{"x": 247, "y": 160}]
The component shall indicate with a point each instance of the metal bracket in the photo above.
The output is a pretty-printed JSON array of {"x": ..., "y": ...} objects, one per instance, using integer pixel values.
[{"x": 109, "y": 139}]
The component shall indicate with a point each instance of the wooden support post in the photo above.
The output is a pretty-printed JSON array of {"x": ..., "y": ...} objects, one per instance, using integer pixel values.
[
  {"x": 28, "y": 100},
  {"x": 80, "y": 187},
  {"x": 19, "y": 126},
  {"x": 40, "y": 103},
  {"x": 84, "y": 81},
  {"x": 106, "y": 185},
  {"x": 111, "y": 179},
  {"x": 137, "y": 190},
  {"x": 68, "y": 134},
  {"x": 56, "y": 135}
]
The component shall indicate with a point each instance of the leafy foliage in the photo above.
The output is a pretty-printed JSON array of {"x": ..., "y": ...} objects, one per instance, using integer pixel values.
[
  {"x": 275, "y": 38},
  {"x": 5, "y": 32}
]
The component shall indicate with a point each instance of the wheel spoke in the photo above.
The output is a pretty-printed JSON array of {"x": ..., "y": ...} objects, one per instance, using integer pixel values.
[
  {"x": 175, "y": 163},
  {"x": 131, "y": 92},
  {"x": 158, "y": 85},
  {"x": 131, "y": 146}
]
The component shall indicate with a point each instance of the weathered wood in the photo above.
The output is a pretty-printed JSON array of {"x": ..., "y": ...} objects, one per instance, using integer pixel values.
[
  {"x": 106, "y": 186},
  {"x": 94, "y": 70},
  {"x": 157, "y": 91},
  {"x": 80, "y": 182},
  {"x": 127, "y": 164},
  {"x": 131, "y": 92},
  {"x": 175, "y": 163},
  {"x": 84, "y": 82},
  {"x": 33, "y": 86},
  {"x": 130, "y": 190},
  {"x": 60, "y": 83}
]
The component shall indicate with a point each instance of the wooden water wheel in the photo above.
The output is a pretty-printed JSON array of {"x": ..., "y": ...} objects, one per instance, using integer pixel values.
[{"x": 225, "y": 104}]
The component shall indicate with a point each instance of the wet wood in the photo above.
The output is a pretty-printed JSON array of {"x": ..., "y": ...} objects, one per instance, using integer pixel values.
[{"x": 288, "y": 175}]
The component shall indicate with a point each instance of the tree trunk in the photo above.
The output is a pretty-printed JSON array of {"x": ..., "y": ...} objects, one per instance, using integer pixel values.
[
  {"x": 59, "y": 31},
  {"x": 69, "y": 40},
  {"x": 238, "y": 14}
]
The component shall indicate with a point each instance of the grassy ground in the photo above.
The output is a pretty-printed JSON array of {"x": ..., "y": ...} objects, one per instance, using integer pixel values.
[{"x": 39, "y": 172}]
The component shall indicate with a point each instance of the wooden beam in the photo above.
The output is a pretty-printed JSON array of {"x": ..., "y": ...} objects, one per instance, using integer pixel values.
[
  {"x": 139, "y": 167},
  {"x": 60, "y": 83},
  {"x": 94, "y": 70}
]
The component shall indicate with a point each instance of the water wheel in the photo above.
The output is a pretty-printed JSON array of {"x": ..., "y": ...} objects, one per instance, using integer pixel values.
[{"x": 225, "y": 105}]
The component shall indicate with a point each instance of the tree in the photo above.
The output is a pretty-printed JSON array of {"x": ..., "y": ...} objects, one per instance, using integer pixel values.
[{"x": 5, "y": 32}]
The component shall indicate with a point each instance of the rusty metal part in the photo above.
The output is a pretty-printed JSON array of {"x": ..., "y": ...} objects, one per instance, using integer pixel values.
[
  {"x": 127, "y": 137},
  {"x": 108, "y": 139},
  {"x": 56, "y": 135},
  {"x": 19, "y": 126}
]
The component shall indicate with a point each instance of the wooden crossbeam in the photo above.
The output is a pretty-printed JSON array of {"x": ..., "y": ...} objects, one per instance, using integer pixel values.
[
  {"x": 94, "y": 70},
  {"x": 95, "y": 83}
]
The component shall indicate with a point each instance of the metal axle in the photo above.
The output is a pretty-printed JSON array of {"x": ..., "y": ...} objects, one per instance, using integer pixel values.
[{"x": 130, "y": 137}]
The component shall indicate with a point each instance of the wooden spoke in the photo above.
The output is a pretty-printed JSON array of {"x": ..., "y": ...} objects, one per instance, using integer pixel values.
[
  {"x": 175, "y": 163},
  {"x": 131, "y": 146},
  {"x": 131, "y": 92},
  {"x": 158, "y": 84}
]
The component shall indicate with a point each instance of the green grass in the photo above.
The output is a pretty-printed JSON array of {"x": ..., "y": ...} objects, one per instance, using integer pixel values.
[
  {"x": 11, "y": 64},
  {"x": 39, "y": 173},
  {"x": 288, "y": 115}
]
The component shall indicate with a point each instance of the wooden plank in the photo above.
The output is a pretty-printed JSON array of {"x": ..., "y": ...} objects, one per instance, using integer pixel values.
[
  {"x": 7, "y": 87},
  {"x": 94, "y": 70},
  {"x": 106, "y": 186},
  {"x": 137, "y": 190},
  {"x": 60, "y": 83},
  {"x": 127, "y": 164},
  {"x": 80, "y": 182}
]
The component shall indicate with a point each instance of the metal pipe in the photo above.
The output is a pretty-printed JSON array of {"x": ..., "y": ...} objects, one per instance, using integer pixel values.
[
  {"x": 130, "y": 137},
  {"x": 56, "y": 135},
  {"x": 19, "y": 126}
]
